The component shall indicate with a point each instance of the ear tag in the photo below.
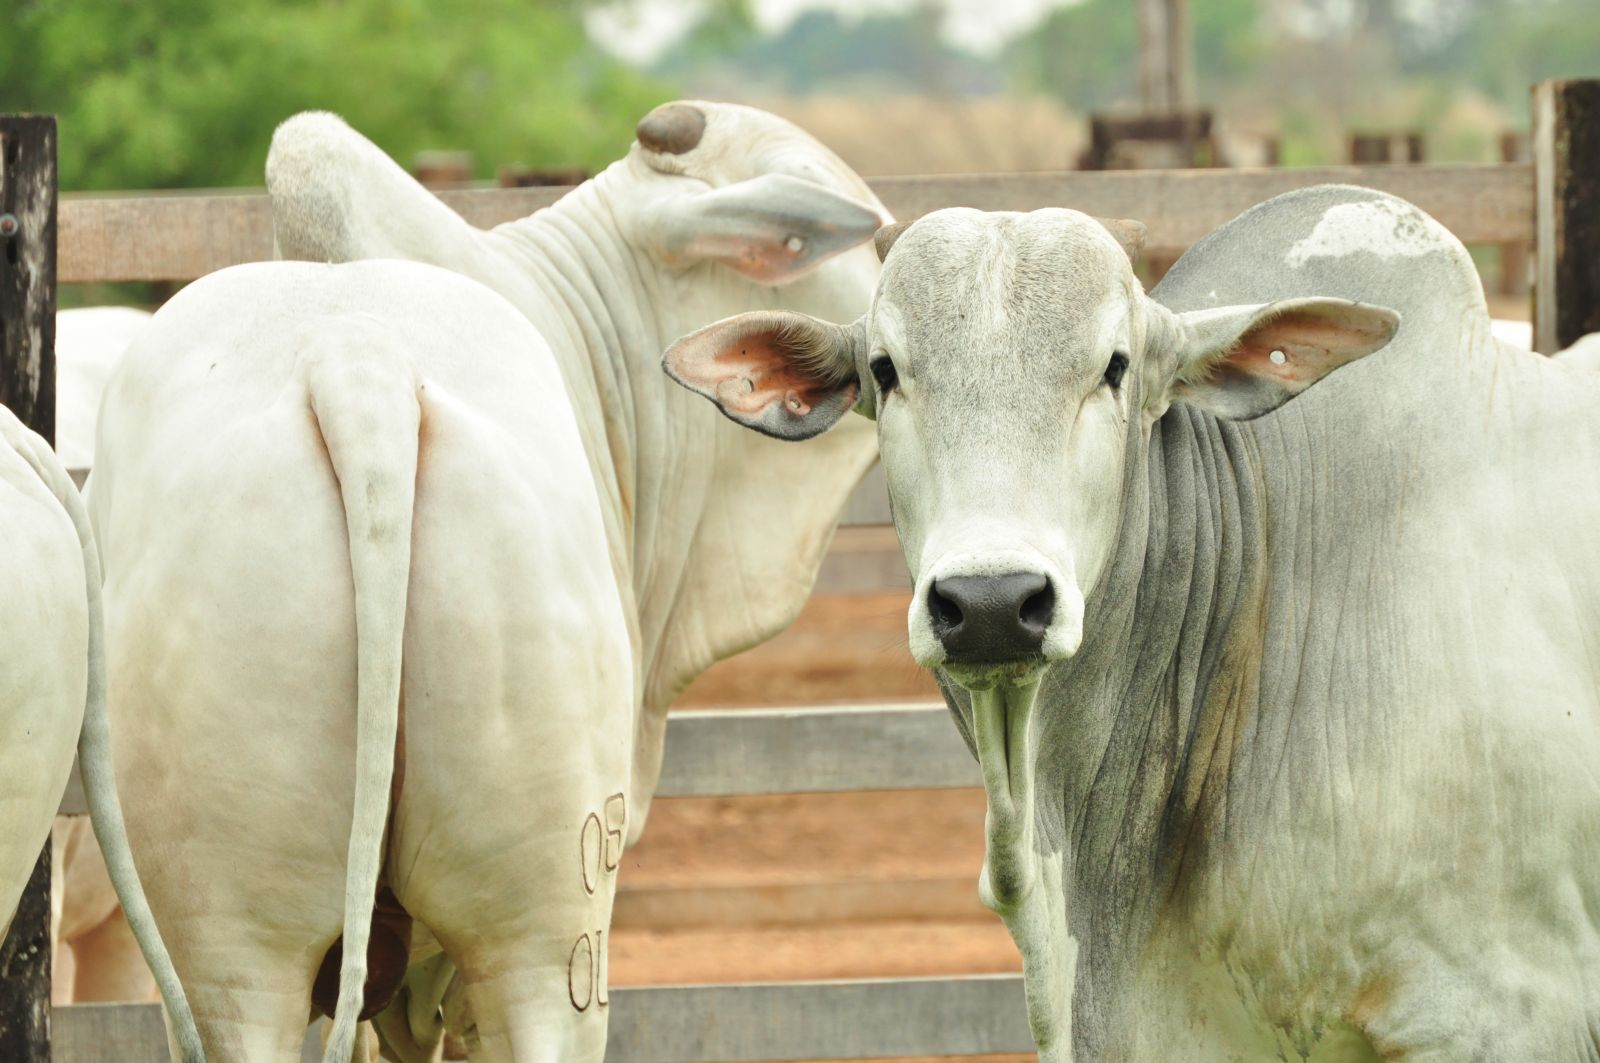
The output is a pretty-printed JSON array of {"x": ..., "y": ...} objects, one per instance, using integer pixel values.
[
  {"x": 748, "y": 385},
  {"x": 795, "y": 244},
  {"x": 796, "y": 404},
  {"x": 1278, "y": 357}
]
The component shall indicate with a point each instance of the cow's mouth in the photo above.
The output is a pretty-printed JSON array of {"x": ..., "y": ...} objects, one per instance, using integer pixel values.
[
  {"x": 988, "y": 675},
  {"x": 1001, "y": 718}
]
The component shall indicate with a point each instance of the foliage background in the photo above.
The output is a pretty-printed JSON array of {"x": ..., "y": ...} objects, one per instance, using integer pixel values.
[{"x": 186, "y": 93}]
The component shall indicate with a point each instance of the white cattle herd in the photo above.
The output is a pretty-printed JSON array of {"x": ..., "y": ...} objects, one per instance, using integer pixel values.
[{"x": 1284, "y": 695}]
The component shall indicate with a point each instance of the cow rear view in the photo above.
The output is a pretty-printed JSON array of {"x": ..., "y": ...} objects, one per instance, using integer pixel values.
[{"x": 368, "y": 652}]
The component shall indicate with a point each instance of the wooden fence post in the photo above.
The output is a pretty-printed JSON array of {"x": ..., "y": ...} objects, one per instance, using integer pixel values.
[
  {"x": 1404, "y": 146},
  {"x": 1566, "y": 173},
  {"x": 28, "y": 388}
]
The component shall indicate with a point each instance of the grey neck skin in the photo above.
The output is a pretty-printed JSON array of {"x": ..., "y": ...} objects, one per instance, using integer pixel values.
[{"x": 1130, "y": 730}]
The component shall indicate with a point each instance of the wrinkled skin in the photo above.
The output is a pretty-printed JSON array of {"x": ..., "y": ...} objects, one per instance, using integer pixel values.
[{"x": 1303, "y": 763}]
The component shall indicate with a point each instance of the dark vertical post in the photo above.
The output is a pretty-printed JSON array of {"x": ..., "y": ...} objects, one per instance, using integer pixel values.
[
  {"x": 1566, "y": 173},
  {"x": 28, "y": 388}
]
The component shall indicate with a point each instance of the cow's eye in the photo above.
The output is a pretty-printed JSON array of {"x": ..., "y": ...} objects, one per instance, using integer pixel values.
[
  {"x": 883, "y": 372},
  {"x": 1115, "y": 368}
]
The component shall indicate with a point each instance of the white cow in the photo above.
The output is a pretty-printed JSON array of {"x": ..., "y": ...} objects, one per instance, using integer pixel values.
[
  {"x": 1584, "y": 354},
  {"x": 96, "y": 955},
  {"x": 716, "y": 206},
  {"x": 89, "y": 343},
  {"x": 410, "y": 519},
  {"x": 1519, "y": 334},
  {"x": 1287, "y": 701},
  {"x": 52, "y": 690},
  {"x": 534, "y": 689}
]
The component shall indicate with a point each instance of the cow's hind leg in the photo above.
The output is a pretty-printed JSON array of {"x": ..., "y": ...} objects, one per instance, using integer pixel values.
[
  {"x": 507, "y": 836},
  {"x": 250, "y": 1005},
  {"x": 520, "y": 1011}
]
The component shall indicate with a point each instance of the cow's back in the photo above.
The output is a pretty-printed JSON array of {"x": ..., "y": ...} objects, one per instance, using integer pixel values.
[
  {"x": 231, "y": 618},
  {"x": 1425, "y": 693},
  {"x": 1341, "y": 241}
]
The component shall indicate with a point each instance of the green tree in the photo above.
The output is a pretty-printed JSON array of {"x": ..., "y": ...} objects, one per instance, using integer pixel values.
[
  {"x": 1086, "y": 54},
  {"x": 186, "y": 93},
  {"x": 1229, "y": 43},
  {"x": 823, "y": 51},
  {"x": 1501, "y": 47}
]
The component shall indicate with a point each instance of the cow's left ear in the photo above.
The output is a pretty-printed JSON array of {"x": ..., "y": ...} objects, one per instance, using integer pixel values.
[
  {"x": 784, "y": 374},
  {"x": 1243, "y": 361},
  {"x": 771, "y": 228}
]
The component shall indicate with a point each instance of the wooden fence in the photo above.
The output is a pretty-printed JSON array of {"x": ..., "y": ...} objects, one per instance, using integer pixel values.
[{"x": 179, "y": 237}]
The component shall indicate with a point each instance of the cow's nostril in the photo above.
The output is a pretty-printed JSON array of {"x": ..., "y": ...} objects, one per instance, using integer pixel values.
[
  {"x": 989, "y": 618},
  {"x": 946, "y": 614},
  {"x": 1039, "y": 609}
]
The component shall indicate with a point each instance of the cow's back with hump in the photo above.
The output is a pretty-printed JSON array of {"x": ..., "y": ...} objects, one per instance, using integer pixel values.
[
  {"x": 1432, "y": 615},
  {"x": 1343, "y": 241}
]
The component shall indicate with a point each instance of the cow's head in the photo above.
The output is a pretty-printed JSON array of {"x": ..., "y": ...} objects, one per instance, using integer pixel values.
[
  {"x": 1015, "y": 368},
  {"x": 704, "y": 186}
]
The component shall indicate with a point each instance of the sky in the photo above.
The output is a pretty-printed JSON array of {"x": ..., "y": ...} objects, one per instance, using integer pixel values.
[{"x": 640, "y": 30}]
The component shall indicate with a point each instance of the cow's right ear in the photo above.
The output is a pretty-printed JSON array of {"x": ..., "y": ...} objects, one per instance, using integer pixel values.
[{"x": 784, "y": 374}]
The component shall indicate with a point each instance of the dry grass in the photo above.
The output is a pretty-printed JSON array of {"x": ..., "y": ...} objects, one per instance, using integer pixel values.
[{"x": 917, "y": 134}]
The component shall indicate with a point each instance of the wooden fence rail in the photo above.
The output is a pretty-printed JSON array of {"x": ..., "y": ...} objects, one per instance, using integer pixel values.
[
  {"x": 864, "y": 1019},
  {"x": 723, "y": 752},
  {"x": 179, "y": 237},
  {"x": 714, "y": 752}
]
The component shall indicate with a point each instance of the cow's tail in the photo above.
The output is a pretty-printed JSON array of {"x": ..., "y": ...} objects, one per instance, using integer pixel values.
[
  {"x": 99, "y": 773},
  {"x": 365, "y": 401}
]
